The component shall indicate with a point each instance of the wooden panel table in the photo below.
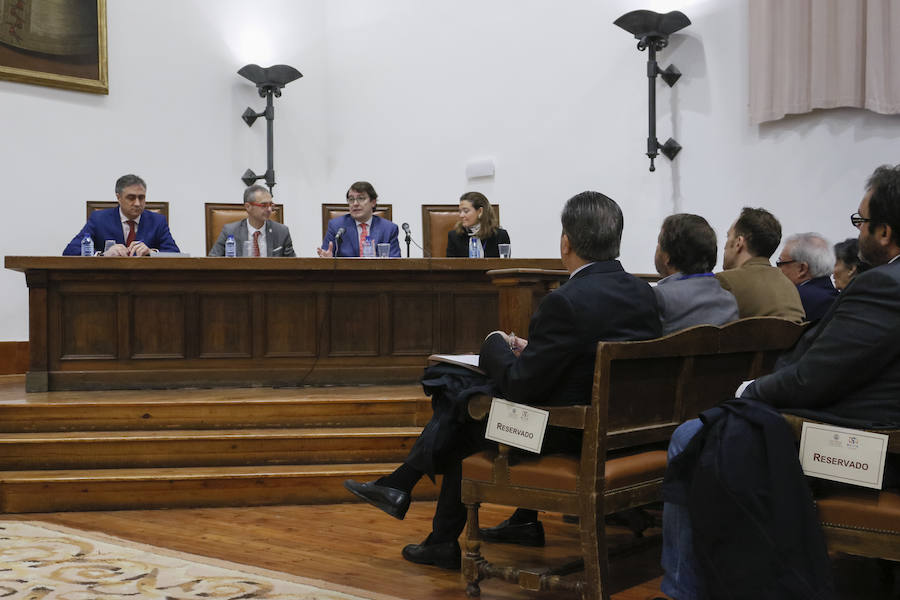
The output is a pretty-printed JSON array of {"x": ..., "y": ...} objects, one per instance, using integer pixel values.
[{"x": 131, "y": 323}]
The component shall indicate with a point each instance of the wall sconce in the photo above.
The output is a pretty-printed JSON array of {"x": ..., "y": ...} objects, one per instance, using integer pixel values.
[
  {"x": 269, "y": 82},
  {"x": 652, "y": 31}
]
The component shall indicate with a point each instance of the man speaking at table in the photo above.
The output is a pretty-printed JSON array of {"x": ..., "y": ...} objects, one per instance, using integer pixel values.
[
  {"x": 136, "y": 232},
  {"x": 345, "y": 233}
]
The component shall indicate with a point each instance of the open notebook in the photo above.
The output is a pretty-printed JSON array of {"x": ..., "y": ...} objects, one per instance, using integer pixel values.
[{"x": 469, "y": 361}]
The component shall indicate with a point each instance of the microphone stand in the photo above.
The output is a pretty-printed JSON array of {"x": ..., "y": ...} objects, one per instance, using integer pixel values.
[{"x": 408, "y": 239}]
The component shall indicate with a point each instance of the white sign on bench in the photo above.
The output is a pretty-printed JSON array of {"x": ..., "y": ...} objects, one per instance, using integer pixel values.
[
  {"x": 846, "y": 455},
  {"x": 518, "y": 425}
]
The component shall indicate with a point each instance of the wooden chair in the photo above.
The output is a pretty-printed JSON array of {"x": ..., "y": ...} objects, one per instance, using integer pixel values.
[
  {"x": 157, "y": 207},
  {"x": 219, "y": 214},
  {"x": 856, "y": 520},
  {"x": 437, "y": 221},
  {"x": 330, "y": 211},
  {"x": 642, "y": 391}
]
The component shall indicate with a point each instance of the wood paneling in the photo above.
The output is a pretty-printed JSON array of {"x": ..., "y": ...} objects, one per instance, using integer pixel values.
[
  {"x": 13, "y": 358},
  {"x": 158, "y": 326},
  {"x": 99, "y": 323}
]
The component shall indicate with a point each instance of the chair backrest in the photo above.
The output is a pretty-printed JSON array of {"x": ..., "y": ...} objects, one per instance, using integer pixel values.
[
  {"x": 157, "y": 207},
  {"x": 437, "y": 221},
  {"x": 219, "y": 214},
  {"x": 646, "y": 389},
  {"x": 330, "y": 211}
]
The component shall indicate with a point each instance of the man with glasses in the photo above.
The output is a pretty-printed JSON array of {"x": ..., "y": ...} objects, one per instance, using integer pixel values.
[
  {"x": 358, "y": 225},
  {"x": 760, "y": 290},
  {"x": 846, "y": 372},
  {"x": 136, "y": 232},
  {"x": 265, "y": 237},
  {"x": 807, "y": 260}
]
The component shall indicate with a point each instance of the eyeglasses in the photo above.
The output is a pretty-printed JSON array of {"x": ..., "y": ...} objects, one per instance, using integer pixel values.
[
  {"x": 268, "y": 205},
  {"x": 357, "y": 199},
  {"x": 857, "y": 219},
  {"x": 781, "y": 263}
]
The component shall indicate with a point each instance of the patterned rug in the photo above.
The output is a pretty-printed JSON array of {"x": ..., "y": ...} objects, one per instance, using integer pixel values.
[{"x": 40, "y": 561}]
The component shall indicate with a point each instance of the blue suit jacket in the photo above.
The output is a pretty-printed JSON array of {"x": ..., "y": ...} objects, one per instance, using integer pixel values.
[
  {"x": 817, "y": 296},
  {"x": 382, "y": 231},
  {"x": 105, "y": 224}
]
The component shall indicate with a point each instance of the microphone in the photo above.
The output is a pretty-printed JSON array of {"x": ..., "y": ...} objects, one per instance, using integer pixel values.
[
  {"x": 405, "y": 227},
  {"x": 339, "y": 234}
]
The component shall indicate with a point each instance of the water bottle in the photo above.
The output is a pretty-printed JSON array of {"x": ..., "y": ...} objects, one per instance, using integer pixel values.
[
  {"x": 368, "y": 248},
  {"x": 475, "y": 247},
  {"x": 230, "y": 247},
  {"x": 87, "y": 246}
]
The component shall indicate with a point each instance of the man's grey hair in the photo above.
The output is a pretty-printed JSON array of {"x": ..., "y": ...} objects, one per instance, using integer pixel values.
[
  {"x": 593, "y": 224},
  {"x": 251, "y": 191},
  {"x": 814, "y": 250},
  {"x": 127, "y": 181}
]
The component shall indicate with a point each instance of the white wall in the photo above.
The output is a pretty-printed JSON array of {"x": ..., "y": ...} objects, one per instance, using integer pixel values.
[{"x": 403, "y": 93}]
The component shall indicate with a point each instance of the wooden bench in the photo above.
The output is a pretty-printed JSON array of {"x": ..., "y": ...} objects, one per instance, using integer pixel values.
[
  {"x": 856, "y": 520},
  {"x": 642, "y": 391}
]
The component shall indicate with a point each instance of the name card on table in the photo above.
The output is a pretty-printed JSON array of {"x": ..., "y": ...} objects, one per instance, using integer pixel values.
[
  {"x": 517, "y": 425},
  {"x": 839, "y": 454}
]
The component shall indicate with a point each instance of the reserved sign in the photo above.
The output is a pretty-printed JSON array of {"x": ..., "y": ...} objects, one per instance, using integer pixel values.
[
  {"x": 847, "y": 455},
  {"x": 517, "y": 425}
]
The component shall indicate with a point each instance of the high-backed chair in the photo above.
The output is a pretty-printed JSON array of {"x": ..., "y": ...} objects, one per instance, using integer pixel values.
[
  {"x": 642, "y": 391},
  {"x": 219, "y": 214},
  {"x": 330, "y": 211},
  {"x": 437, "y": 221},
  {"x": 856, "y": 520},
  {"x": 157, "y": 207}
]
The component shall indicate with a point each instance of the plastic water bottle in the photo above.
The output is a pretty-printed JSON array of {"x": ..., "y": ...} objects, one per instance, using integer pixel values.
[
  {"x": 368, "y": 248},
  {"x": 230, "y": 247},
  {"x": 475, "y": 247},
  {"x": 87, "y": 246}
]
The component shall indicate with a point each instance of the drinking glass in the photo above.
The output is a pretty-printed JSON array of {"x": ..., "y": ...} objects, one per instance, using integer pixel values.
[
  {"x": 108, "y": 244},
  {"x": 505, "y": 250},
  {"x": 384, "y": 251}
]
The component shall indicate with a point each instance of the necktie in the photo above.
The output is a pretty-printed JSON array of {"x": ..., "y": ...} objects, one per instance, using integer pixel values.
[
  {"x": 362, "y": 237},
  {"x": 131, "y": 231},
  {"x": 256, "y": 243}
]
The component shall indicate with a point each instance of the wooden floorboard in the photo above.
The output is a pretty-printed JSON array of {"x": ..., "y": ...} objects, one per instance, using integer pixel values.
[{"x": 350, "y": 544}]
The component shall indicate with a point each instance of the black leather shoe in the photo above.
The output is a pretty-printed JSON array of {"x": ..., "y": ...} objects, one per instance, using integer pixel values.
[
  {"x": 391, "y": 500},
  {"x": 446, "y": 555},
  {"x": 523, "y": 534}
]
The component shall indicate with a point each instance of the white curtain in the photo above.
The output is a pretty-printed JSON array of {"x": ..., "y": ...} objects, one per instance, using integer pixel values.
[{"x": 807, "y": 54}]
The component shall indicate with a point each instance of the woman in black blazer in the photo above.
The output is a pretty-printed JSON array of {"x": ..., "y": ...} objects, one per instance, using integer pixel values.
[{"x": 476, "y": 219}]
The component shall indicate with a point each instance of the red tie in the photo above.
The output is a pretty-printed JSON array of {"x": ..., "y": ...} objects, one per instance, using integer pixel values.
[
  {"x": 256, "y": 243},
  {"x": 131, "y": 231},
  {"x": 362, "y": 237}
]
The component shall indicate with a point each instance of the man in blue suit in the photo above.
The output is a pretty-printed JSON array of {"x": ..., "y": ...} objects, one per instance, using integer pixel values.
[
  {"x": 356, "y": 226},
  {"x": 807, "y": 260},
  {"x": 136, "y": 232}
]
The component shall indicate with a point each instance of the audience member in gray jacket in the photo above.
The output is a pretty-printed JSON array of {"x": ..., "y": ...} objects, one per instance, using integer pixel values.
[{"x": 689, "y": 294}]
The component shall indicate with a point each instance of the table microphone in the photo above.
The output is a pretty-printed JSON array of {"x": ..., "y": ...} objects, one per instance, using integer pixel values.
[
  {"x": 405, "y": 227},
  {"x": 337, "y": 240}
]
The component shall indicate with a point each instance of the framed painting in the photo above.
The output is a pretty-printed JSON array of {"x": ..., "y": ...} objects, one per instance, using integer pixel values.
[{"x": 60, "y": 43}]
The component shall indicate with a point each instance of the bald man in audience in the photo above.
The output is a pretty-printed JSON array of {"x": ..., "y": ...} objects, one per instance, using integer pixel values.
[
  {"x": 689, "y": 294},
  {"x": 806, "y": 259},
  {"x": 760, "y": 289}
]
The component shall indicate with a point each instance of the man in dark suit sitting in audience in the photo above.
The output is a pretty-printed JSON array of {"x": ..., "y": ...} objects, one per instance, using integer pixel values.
[
  {"x": 689, "y": 294},
  {"x": 847, "y": 372},
  {"x": 136, "y": 232},
  {"x": 555, "y": 365},
  {"x": 806, "y": 259}
]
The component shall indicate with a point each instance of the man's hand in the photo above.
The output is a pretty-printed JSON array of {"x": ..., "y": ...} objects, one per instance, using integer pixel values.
[
  {"x": 326, "y": 253},
  {"x": 517, "y": 344},
  {"x": 117, "y": 250},
  {"x": 138, "y": 248}
]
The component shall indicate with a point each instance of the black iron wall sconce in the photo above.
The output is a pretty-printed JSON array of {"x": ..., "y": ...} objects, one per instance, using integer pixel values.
[
  {"x": 269, "y": 82},
  {"x": 652, "y": 31}
]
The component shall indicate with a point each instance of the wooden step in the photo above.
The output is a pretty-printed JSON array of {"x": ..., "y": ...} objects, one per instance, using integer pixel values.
[
  {"x": 215, "y": 447},
  {"x": 358, "y": 406},
  {"x": 119, "y": 489}
]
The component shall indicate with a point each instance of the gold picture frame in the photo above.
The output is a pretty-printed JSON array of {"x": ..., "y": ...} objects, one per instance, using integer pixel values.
[{"x": 54, "y": 43}]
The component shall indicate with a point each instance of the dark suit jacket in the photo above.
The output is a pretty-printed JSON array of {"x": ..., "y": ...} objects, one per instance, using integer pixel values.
[
  {"x": 458, "y": 244},
  {"x": 382, "y": 231},
  {"x": 153, "y": 230},
  {"x": 847, "y": 371},
  {"x": 817, "y": 296},
  {"x": 601, "y": 302},
  {"x": 278, "y": 239}
]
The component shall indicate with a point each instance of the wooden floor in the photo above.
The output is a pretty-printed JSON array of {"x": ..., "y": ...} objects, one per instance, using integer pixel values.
[{"x": 350, "y": 544}]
